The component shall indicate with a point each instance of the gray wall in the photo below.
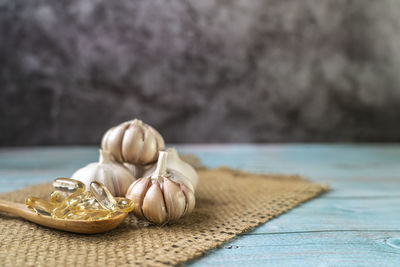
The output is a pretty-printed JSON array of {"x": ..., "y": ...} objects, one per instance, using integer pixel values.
[{"x": 200, "y": 71}]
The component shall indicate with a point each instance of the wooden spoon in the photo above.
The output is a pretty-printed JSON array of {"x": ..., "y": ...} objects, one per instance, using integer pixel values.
[{"x": 76, "y": 226}]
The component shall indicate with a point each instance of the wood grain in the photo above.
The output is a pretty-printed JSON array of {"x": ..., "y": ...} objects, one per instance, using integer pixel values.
[{"x": 356, "y": 224}]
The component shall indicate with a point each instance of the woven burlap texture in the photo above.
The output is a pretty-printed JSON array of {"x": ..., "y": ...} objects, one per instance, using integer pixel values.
[{"x": 228, "y": 203}]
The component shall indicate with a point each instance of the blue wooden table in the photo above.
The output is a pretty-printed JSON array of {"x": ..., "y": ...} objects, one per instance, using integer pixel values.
[{"x": 356, "y": 224}]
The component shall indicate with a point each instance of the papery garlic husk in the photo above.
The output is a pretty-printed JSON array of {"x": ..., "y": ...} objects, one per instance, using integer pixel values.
[
  {"x": 112, "y": 174},
  {"x": 180, "y": 169},
  {"x": 134, "y": 142},
  {"x": 162, "y": 197}
]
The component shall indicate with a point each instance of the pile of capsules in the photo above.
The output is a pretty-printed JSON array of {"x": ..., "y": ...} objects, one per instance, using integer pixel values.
[{"x": 70, "y": 200}]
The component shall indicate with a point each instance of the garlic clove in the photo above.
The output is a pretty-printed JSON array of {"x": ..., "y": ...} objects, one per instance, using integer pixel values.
[
  {"x": 190, "y": 199},
  {"x": 112, "y": 140},
  {"x": 137, "y": 192},
  {"x": 158, "y": 138},
  {"x": 174, "y": 199},
  {"x": 179, "y": 178},
  {"x": 149, "y": 147},
  {"x": 104, "y": 139},
  {"x": 132, "y": 143},
  {"x": 153, "y": 205}
]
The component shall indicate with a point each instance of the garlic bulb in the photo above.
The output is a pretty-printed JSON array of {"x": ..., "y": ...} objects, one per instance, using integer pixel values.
[
  {"x": 182, "y": 171},
  {"x": 134, "y": 142},
  {"x": 164, "y": 196},
  {"x": 113, "y": 175}
]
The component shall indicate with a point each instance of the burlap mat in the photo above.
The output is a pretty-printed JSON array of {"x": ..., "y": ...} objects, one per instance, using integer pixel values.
[{"x": 228, "y": 203}]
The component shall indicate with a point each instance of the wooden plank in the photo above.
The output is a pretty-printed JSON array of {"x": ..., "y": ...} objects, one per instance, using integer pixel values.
[
  {"x": 364, "y": 201},
  {"x": 316, "y": 234},
  {"x": 349, "y": 248},
  {"x": 338, "y": 214},
  {"x": 21, "y": 167}
]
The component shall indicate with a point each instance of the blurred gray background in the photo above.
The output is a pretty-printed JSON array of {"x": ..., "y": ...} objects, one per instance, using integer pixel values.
[{"x": 200, "y": 71}]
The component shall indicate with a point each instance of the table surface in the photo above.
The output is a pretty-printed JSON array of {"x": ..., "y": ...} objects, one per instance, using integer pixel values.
[{"x": 357, "y": 223}]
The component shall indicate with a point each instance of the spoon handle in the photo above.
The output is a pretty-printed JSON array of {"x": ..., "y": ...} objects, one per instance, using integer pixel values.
[{"x": 14, "y": 208}]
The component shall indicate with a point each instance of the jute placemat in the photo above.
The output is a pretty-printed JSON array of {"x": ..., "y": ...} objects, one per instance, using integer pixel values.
[{"x": 228, "y": 203}]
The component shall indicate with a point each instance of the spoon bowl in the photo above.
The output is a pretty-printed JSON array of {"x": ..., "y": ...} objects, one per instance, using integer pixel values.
[{"x": 75, "y": 226}]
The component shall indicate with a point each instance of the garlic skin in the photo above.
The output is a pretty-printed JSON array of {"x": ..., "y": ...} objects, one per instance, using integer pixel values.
[
  {"x": 133, "y": 142},
  {"x": 183, "y": 171},
  {"x": 162, "y": 197},
  {"x": 113, "y": 175},
  {"x": 138, "y": 170}
]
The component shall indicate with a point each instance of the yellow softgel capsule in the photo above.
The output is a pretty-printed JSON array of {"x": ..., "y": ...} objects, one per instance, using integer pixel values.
[
  {"x": 57, "y": 196},
  {"x": 103, "y": 196},
  {"x": 60, "y": 212},
  {"x": 91, "y": 215},
  {"x": 99, "y": 215},
  {"x": 124, "y": 204},
  {"x": 40, "y": 206},
  {"x": 69, "y": 185},
  {"x": 88, "y": 201},
  {"x": 65, "y": 207}
]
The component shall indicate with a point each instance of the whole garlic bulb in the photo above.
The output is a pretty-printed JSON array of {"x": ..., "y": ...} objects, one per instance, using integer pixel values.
[
  {"x": 113, "y": 175},
  {"x": 162, "y": 197},
  {"x": 183, "y": 171},
  {"x": 134, "y": 142}
]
